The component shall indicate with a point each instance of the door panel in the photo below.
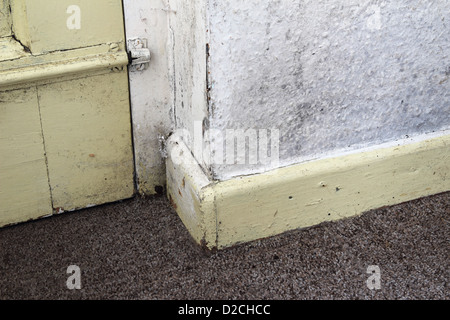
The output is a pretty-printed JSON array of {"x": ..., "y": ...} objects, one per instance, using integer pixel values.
[
  {"x": 87, "y": 129},
  {"x": 24, "y": 188},
  {"x": 50, "y": 25},
  {"x": 65, "y": 123},
  {"x": 151, "y": 99}
]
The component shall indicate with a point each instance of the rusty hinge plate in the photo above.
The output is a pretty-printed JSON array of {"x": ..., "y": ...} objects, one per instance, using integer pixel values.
[{"x": 139, "y": 54}]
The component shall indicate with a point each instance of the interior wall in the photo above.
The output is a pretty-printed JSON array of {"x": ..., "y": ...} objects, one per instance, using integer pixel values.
[
  {"x": 34, "y": 24},
  {"x": 331, "y": 76},
  {"x": 328, "y": 77}
]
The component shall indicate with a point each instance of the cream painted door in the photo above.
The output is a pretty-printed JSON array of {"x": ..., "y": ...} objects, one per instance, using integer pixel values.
[{"x": 65, "y": 123}]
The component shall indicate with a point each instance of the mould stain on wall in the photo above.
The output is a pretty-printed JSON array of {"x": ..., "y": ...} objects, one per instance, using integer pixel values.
[{"x": 331, "y": 75}]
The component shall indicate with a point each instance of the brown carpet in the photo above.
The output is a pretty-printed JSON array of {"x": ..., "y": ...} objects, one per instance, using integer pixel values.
[{"x": 138, "y": 249}]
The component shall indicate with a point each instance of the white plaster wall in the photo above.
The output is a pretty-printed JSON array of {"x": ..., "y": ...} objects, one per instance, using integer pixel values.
[{"x": 331, "y": 75}]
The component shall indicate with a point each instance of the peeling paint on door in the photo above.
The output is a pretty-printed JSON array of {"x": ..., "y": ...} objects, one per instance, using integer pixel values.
[{"x": 65, "y": 124}]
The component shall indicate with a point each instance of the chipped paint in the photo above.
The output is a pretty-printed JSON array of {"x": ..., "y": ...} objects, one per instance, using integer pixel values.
[
  {"x": 151, "y": 104},
  {"x": 187, "y": 60},
  {"x": 65, "y": 121},
  {"x": 58, "y": 210},
  {"x": 247, "y": 208},
  {"x": 194, "y": 200}
]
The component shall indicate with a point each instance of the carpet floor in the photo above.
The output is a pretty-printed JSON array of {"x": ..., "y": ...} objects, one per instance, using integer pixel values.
[{"x": 138, "y": 249}]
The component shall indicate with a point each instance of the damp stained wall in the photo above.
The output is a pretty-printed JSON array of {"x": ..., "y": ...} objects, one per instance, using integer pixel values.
[{"x": 331, "y": 76}]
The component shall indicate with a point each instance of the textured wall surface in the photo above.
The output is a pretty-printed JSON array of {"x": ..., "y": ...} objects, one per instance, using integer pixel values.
[{"x": 330, "y": 75}]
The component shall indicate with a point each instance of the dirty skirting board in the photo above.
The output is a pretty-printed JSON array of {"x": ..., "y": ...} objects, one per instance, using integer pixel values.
[{"x": 220, "y": 214}]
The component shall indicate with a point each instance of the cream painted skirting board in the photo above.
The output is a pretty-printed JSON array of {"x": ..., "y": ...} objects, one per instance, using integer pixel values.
[{"x": 219, "y": 214}]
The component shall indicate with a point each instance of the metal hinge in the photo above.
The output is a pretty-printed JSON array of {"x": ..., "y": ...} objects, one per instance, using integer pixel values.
[{"x": 139, "y": 54}]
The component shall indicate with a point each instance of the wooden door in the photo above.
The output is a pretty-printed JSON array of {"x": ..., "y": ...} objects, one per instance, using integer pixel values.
[{"x": 65, "y": 124}]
